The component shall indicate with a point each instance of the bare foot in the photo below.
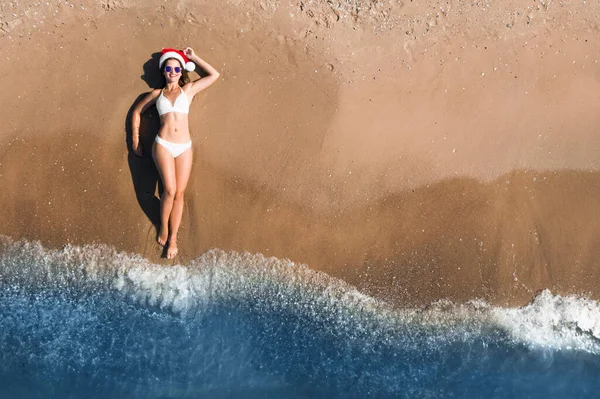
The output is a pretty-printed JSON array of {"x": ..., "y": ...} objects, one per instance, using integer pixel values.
[
  {"x": 162, "y": 236},
  {"x": 172, "y": 250}
]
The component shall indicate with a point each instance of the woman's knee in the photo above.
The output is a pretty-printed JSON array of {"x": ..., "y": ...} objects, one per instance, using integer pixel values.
[
  {"x": 179, "y": 195},
  {"x": 170, "y": 191}
]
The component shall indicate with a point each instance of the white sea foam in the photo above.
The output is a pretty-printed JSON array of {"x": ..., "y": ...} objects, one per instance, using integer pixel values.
[
  {"x": 550, "y": 321},
  {"x": 554, "y": 321}
]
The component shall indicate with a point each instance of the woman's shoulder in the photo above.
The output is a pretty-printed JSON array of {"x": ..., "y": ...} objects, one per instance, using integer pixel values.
[{"x": 152, "y": 95}]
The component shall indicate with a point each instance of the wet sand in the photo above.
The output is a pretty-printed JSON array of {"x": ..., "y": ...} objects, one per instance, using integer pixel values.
[{"x": 419, "y": 152}]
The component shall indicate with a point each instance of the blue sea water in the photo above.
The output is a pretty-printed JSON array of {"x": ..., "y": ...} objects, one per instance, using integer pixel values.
[{"x": 91, "y": 322}]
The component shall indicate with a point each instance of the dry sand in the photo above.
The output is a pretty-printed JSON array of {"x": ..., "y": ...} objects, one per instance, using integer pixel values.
[{"x": 418, "y": 150}]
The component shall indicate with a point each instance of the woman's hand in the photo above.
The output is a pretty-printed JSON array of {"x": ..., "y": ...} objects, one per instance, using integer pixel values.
[
  {"x": 189, "y": 52},
  {"x": 137, "y": 148}
]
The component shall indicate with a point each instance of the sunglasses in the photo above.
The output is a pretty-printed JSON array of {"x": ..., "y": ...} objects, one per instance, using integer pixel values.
[{"x": 169, "y": 69}]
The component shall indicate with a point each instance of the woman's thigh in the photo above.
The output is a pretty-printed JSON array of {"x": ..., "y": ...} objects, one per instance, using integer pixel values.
[
  {"x": 183, "y": 168},
  {"x": 165, "y": 163}
]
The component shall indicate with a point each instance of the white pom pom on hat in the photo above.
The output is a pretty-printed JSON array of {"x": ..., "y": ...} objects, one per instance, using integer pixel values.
[{"x": 179, "y": 55}]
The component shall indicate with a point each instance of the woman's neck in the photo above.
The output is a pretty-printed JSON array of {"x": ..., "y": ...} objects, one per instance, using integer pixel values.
[{"x": 172, "y": 86}]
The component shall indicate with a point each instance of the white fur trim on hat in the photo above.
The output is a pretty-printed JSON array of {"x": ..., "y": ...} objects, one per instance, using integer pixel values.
[{"x": 187, "y": 65}]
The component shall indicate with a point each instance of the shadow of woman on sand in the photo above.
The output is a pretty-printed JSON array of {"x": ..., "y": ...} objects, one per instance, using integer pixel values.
[{"x": 144, "y": 175}]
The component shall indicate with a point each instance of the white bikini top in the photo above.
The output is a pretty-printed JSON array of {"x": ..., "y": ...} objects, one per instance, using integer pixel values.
[{"x": 163, "y": 105}]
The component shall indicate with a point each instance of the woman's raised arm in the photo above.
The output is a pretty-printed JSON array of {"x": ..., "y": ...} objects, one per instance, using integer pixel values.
[{"x": 200, "y": 84}]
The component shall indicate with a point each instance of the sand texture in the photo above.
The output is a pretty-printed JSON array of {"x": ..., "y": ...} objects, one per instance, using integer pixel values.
[{"x": 419, "y": 150}]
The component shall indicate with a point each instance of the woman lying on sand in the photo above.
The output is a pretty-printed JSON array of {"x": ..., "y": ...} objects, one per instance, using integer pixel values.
[{"x": 172, "y": 148}]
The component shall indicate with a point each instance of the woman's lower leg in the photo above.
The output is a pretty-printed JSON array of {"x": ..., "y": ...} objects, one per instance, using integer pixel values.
[
  {"x": 176, "y": 215},
  {"x": 166, "y": 208}
]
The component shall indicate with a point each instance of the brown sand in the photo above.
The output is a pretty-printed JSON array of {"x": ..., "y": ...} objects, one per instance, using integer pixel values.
[{"x": 418, "y": 150}]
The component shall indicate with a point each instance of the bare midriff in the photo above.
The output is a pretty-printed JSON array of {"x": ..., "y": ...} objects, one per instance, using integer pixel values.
[{"x": 174, "y": 127}]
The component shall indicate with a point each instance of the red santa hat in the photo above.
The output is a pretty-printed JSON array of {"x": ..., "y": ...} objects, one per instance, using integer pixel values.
[{"x": 179, "y": 55}]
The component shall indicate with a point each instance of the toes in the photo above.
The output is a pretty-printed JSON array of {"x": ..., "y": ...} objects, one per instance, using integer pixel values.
[
  {"x": 161, "y": 239},
  {"x": 172, "y": 252}
]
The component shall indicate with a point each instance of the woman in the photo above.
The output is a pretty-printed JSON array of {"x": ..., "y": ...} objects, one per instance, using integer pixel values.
[{"x": 172, "y": 148}]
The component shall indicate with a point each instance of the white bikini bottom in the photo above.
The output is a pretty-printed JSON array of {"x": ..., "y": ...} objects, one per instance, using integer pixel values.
[{"x": 175, "y": 149}]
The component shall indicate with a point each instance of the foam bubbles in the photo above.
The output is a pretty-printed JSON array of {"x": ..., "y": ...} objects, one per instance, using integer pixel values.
[
  {"x": 554, "y": 322},
  {"x": 277, "y": 286}
]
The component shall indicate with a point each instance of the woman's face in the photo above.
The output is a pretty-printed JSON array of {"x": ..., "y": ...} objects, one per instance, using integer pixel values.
[{"x": 170, "y": 72}]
